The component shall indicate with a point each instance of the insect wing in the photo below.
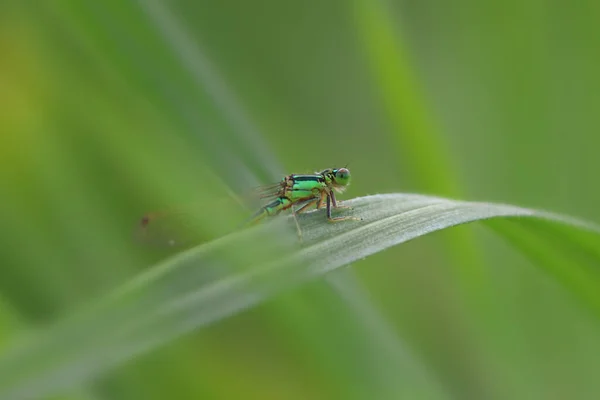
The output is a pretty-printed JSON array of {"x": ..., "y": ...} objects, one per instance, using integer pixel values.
[
  {"x": 185, "y": 226},
  {"x": 269, "y": 191}
]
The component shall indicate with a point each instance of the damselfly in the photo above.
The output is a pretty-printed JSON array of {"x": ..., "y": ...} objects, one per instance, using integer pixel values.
[{"x": 297, "y": 192}]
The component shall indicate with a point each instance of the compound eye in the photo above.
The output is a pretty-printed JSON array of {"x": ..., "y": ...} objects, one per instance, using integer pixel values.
[{"x": 342, "y": 174}]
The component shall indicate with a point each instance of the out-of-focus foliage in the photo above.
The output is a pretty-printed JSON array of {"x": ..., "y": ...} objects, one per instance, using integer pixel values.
[
  {"x": 199, "y": 287},
  {"x": 112, "y": 109}
]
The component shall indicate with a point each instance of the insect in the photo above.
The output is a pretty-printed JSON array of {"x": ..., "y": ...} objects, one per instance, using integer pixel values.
[
  {"x": 296, "y": 192},
  {"x": 305, "y": 190}
]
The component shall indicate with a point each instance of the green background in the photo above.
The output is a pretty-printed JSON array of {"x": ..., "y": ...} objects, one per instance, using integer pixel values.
[{"x": 111, "y": 109}]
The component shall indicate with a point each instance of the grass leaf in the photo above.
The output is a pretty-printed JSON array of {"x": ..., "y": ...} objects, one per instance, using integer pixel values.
[{"x": 210, "y": 282}]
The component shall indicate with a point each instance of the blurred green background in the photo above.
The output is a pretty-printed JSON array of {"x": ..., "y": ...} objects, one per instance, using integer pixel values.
[{"x": 112, "y": 109}]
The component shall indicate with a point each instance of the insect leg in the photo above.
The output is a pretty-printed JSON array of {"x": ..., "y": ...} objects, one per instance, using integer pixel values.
[
  {"x": 299, "y": 197},
  {"x": 296, "y": 222},
  {"x": 332, "y": 194},
  {"x": 330, "y": 200},
  {"x": 305, "y": 206},
  {"x": 321, "y": 202}
]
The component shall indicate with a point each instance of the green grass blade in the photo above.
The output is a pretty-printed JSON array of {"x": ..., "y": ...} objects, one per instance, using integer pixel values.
[{"x": 210, "y": 282}]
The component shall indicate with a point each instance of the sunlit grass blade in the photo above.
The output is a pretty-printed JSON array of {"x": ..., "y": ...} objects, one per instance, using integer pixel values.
[{"x": 210, "y": 282}]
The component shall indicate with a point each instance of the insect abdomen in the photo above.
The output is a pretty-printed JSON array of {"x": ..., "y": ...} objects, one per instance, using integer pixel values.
[{"x": 273, "y": 208}]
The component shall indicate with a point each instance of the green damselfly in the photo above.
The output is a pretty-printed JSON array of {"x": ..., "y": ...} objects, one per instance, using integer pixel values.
[
  {"x": 304, "y": 191},
  {"x": 297, "y": 192}
]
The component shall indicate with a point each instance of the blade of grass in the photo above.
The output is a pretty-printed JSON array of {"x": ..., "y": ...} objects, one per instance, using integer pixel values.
[
  {"x": 244, "y": 135},
  {"x": 403, "y": 360},
  {"x": 413, "y": 132},
  {"x": 413, "y": 128},
  {"x": 178, "y": 295}
]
